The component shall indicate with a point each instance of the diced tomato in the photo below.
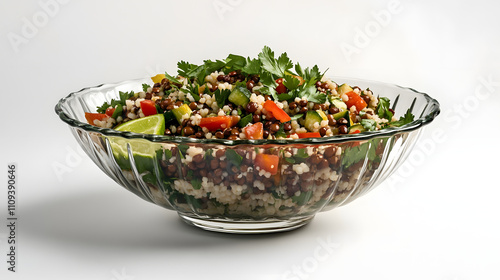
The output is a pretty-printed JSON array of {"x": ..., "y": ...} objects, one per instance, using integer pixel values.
[
  {"x": 355, "y": 100},
  {"x": 309, "y": 135},
  {"x": 110, "y": 111},
  {"x": 254, "y": 131},
  {"x": 214, "y": 123},
  {"x": 355, "y": 131},
  {"x": 276, "y": 111},
  {"x": 234, "y": 120},
  {"x": 267, "y": 162},
  {"x": 148, "y": 107},
  {"x": 91, "y": 117},
  {"x": 281, "y": 88}
]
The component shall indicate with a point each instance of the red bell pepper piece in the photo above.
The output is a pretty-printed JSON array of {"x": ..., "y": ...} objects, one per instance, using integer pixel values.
[
  {"x": 215, "y": 123},
  {"x": 281, "y": 88},
  {"x": 276, "y": 111},
  {"x": 91, "y": 117},
  {"x": 309, "y": 135},
  {"x": 267, "y": 162},
  {"x": 355, "y": 100},
  {"x": 254, "y": 131},
  {"x": 110, "y": 111},
  {"x": 148, "y": 107}
]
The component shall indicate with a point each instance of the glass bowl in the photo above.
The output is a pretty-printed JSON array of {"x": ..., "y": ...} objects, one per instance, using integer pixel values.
[{"x": 214, "y": 184}]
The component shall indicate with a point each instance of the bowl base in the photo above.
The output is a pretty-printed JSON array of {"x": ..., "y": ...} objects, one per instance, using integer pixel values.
[{"x": 246, "y": 227}]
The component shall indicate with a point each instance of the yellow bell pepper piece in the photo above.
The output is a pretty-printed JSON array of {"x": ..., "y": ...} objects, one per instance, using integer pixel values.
[{"x": 158, "y": 78}]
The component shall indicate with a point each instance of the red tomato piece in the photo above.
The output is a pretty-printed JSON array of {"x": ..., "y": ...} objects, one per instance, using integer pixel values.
[
  {"x": 110, "y": 111},
  {"x": 309, "y": 135},
  {"x": 91, "y": 117},
  {"x": 276, "y": 111},
  {"x": 355, "y": 100},
  {"x": 215, "y": 123},
  {"x": 254, "y": 131},
  {"x": 281, "y": 88},
  {"x": 234, "y": 120},
  {"x": 267, "y": 162},
  {"x": 148, "y": 107}
]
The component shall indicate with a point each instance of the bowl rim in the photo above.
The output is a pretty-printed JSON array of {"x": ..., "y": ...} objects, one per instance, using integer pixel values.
[{"x": 368, "y": 135}]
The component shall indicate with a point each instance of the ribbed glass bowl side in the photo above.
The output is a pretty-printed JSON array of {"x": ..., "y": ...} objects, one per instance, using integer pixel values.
[{"x": 218, "y": 181}]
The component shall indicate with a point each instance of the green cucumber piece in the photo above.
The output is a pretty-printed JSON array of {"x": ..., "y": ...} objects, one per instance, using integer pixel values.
[
  {"x": 356, "y": 127},
  {"x": 181, "y": 111},
  {"x": 312, "y": 117},
  {"x": 344, "y": 88},
  {"x": 240, "y": 96},
  {"x": 337, "y": 102},
  {"x": 345, "y": 115}
]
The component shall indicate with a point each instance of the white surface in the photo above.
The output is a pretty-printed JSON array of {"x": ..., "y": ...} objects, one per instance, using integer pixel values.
[{"x": 436, "y": 220}]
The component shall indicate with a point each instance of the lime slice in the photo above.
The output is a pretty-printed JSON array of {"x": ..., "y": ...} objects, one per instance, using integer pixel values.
[
  {"x": 143, "y": 150},
  {"x": 154, "y": 124}
]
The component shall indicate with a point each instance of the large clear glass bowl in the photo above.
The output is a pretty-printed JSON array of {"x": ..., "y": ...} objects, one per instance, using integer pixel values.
[{"x": 214, "y": 183}]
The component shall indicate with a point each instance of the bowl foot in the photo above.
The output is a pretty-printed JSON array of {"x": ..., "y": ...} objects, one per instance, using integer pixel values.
[{"x": 246, "y": 227}]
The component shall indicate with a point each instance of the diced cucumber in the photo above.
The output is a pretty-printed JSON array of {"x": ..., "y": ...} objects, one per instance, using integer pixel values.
[
  {"x": 345, "y": 115},
  {"x": 337, "y": 102},
  {"x": 344, "y": 88},
  {"x": 312, "y": 117},
  {"x": 240, "y": 96},
  {"x": 355, "y": 127},
  {"x": 181, "y": 111},
  {"x": 341, "y": 114}
]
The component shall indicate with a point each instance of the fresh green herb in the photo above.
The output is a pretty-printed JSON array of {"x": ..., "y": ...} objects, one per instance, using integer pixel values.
[
  {"x": 185, "y": 68},
  {"x": 118, "y": 112},
  {"x": 406, "y": 119},
  {"x": 169, "y": 116},
  {"x": 296, "y": 117},
  {"x": 208, "y": 155},
  {"x": 309, "y": 75},
  {"x": 301, "y": 153},
  {"x": 171, "y": 79},
  {"x": 302, "y": 198},
  {"x": 182, "y": 149},
  {"x": 312, "y": 94},
  {"x": 353, "y": 155},
  {"x": 194, "y": 202},
  {"x": 252, "y": 67},
  {"x": 196, "y": 183},
  {"x": 281, "y": 131},
  {"x": 276, "y": 67},
  {"x": 291, "y": 83},
  {"x": 245, "y": 120},
  {"x": 221, "y": 96},
  {"x": 168, "y": 154},
  {"x": 116, "y": 102},
  {"x": 145, "y": 87},
  {"x": 149, "y": 178},
  {"x": 369, "y": 124},
  {"x": 383, "y": 108},
  {"x": 234, "y": 157}
]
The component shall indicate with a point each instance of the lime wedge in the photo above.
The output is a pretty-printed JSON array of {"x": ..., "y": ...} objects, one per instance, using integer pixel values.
[
  {"x": 154, "y": 124},
  {"x": 143, "y": 151}
]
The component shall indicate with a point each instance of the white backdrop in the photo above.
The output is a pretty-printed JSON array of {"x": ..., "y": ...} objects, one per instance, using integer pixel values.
[{"x": 436, "y": 218}]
